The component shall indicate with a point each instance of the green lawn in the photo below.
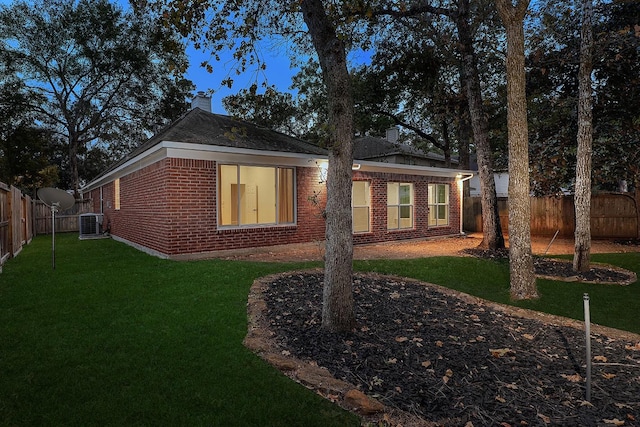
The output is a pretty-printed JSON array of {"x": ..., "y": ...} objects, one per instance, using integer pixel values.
[
  {"x": 116, "y": 337},
  {"x": 610, "y": 305}
]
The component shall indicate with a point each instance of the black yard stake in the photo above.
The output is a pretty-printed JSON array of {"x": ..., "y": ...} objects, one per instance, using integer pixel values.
[{"x": 587, "y": 324}]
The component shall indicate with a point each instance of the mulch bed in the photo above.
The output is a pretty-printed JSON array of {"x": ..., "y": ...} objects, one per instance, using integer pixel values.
[
  {"x": 628, "y": 242},
  {"x": 432, "y": 353}
]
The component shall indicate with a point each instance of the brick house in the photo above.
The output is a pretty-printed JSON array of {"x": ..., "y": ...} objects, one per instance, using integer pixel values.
[{"x": 209, "y": 183}]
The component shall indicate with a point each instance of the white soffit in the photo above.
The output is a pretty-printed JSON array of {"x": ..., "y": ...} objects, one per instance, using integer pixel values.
[{"x": 369, "y": 166}]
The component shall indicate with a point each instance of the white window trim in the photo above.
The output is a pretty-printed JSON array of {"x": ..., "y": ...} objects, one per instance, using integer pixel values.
[
  {"x": 399, "y": 205},
  {"x": 366, "y": 205},
  {"x": 437, "y": 204},
  {"x": 261, "y": 225},
  {"x": 116, "y": 194}
]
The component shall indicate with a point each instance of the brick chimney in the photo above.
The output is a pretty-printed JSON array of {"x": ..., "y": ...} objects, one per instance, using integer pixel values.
[
  {"x": 392, "y": 135},
  {"x": 202, "y": 101}
]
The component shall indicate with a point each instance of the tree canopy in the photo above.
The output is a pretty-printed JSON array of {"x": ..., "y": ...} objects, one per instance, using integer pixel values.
[
  {"x": 393, "y": 88},
  {"x": 553, "y": 62},
  {"x": 24, "y": 148},
  {"x": 103, "y": 76}
]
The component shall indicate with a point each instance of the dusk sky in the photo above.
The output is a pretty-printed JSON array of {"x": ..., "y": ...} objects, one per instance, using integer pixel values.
[{"x": 278, "y": 73}]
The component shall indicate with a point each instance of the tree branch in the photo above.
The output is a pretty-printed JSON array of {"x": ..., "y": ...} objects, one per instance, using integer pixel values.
[
  {"x": 415, "y": 11},
  {"x": 412, "y": 128}
]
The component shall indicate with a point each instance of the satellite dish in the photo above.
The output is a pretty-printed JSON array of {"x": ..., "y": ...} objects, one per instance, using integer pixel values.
[
  {"x": 57, "y": 200},
  {"x": 56, "y": 197}
]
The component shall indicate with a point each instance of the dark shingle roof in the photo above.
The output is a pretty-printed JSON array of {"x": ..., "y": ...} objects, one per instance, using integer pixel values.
[{"x": 201, "y": 127}]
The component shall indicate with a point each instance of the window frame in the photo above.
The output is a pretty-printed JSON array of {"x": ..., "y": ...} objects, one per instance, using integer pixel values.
[
  {"x": 116, "y": 194},
  {"x": 399, "y": 206},
  {"x": 278, "y": 222},
  {"x": 367, "y": 205},
  {"x": 435, "y": 205}
]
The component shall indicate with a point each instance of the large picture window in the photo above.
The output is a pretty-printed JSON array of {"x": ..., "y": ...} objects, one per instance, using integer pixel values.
[
  {"x": 255, "y": 195},
  {"x": 399, "y": 205},
  {"x": 360, "y": 203},
  {"x": 438, "y": 204}
]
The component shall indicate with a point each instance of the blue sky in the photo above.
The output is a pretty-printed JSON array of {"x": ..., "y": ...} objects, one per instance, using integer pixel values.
[{"x": 278, "y": 73}]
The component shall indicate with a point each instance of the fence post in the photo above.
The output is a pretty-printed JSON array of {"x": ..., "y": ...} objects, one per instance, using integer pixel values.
[
  {"x": 10, "y": 228},
  {"x": 16, "y": 216}
]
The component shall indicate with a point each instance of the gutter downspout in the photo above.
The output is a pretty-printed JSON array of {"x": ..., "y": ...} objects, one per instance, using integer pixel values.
[{"x": 461, "y": 178}]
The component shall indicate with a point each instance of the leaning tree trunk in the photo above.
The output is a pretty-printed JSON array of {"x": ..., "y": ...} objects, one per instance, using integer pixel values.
[
  {"x": 464, "y": 131},
  {"x": 582, "y": 199},
  {"x": 337, "y": 310},
  {"x": 522, "y": 279},
  {"x": 446, "y": 142},
  {"x": 492, "y": 230}
]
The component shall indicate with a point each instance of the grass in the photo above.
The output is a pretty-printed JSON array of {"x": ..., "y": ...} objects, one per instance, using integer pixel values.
[
  {"x": 610, "y": 305},
  {"x": 116, "y": 337}
]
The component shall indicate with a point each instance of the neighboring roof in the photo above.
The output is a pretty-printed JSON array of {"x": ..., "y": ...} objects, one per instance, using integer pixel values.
[{"x": 369, "y": 147}]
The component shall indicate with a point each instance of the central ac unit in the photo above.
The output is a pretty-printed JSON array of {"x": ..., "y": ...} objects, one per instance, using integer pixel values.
[{"x": 90, "y": 226}]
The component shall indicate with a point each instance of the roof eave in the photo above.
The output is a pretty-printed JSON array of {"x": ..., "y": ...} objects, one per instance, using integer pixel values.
[{"x": 174, "y": 149}]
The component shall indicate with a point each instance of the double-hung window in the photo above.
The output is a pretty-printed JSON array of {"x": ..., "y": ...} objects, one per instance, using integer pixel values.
[
  {"x": 399, "y": 205},
  {"x": 255, "y": 195},
  {"x": 438, "y": 204},
  {"x": 360, "y": 206}
]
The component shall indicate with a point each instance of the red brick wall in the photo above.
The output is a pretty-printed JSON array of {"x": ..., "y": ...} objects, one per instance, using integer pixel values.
[
  {"x": 378, "y": 188},
  {"x": 147, "y": 205},
  {"x": 170, "y": 207}
]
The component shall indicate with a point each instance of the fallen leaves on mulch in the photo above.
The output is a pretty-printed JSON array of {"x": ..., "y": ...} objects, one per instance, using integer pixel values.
[{"x": 422, "y": 350}]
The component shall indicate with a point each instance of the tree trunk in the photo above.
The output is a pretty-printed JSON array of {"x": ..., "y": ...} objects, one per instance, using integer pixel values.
[
  {"x": 464, "y": 126},
  {"x": 338, "y": 313},
  {"x": 522, "y": 280},
  {"x": 447, "y": 143},
  {"x": 582, "y": 199},
  {"x": 492, "y": 230},
  {"x": 636, "y": 197},
  {"x": 465, "y": 138},
  {"x": 73, "y": 163}
]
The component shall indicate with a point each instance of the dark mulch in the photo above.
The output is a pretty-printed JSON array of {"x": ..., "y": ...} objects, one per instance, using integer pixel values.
[
  {"x": 628, "y": 242},
  {"x": 563, "y": 270},
  {"x": 423, "y": 350}
]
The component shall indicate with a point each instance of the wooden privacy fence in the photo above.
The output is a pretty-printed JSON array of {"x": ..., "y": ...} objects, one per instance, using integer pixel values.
[
  {"x": 66, "y": 221},
  {"x": 16, "y": 213},
  {"x": 613, "y": 216},
  {"x": 21, "y": 218}
]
